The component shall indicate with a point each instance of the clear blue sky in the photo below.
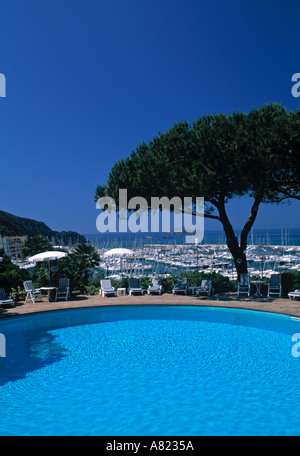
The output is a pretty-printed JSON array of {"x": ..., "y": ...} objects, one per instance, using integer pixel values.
[{"x": 88, "y": 80}]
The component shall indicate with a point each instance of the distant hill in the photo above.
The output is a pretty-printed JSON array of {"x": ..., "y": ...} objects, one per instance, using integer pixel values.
[{"x": 11, "y": 225}]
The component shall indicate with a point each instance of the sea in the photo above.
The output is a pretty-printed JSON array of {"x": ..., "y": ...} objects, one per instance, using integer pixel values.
[{"x": 285, "y": 237}]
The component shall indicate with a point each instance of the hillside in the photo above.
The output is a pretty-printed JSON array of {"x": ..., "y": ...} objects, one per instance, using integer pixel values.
[{"x": 11, "y": 225}]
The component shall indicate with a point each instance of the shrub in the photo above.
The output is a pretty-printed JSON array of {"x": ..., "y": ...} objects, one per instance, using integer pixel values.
[
  {"x": 220, "y": 282},
  {"x": 11, "y": 276},
  {"x": 124, "y": 282},
  {"x": 91, "y": 290},
  {"x": 18, "y": 294},
  {"x": 120, "y": 283},
  {"x": 168, "y": 283},
  {"x": 290, "y": 281},
  {"x": 145, "y": 282},
  {"x": 296, "y": 281}
]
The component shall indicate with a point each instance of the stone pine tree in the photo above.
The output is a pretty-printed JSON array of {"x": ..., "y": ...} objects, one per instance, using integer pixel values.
[{"x": 218, "y": 157}]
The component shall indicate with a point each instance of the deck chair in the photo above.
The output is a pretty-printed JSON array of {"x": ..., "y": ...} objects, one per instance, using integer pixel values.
[
  {"x": 294, "y": 294},
  {"x": 205, "y": 288},
  {"x": 63, "y": 290},
  {"x": 274, "y": 287},
  {"x": 4, "y": 300},
  {"x": 134, "y": 286},
  {"x": 180, "y": 286},
  {"x": 244, "y": 285},
  {"x": 156, "y": 287},
  {"x": 33, "y": 294},
  {"x": 106, "y": 287}
]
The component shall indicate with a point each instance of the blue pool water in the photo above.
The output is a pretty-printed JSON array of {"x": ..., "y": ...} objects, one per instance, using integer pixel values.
[{"x": 150, "y": 370}]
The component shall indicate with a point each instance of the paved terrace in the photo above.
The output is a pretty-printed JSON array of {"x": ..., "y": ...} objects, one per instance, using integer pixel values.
[{"x": 278, "y": 305}]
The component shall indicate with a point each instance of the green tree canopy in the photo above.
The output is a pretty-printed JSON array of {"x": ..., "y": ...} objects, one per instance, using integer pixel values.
[
  {"x": 218, "y": 157},
  {"x": 36, "y": 244},
  {"x": 79, "y": 266},
  {"x": 11, "y": 276}
]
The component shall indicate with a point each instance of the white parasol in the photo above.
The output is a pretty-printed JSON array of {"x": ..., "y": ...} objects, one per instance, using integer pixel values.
[
  {"x": 119, "y": 252},
  {"x": 47, "y": 256}
]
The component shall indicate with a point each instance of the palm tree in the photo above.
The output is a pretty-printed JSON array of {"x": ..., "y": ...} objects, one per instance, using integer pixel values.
[{"x": 79, "y": 266}]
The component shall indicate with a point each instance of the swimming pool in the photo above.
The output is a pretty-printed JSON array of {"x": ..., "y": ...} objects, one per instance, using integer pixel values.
[{"x": 150, "y": 370}]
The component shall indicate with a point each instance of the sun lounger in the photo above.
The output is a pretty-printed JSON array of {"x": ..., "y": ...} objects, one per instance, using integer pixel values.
[
  {"x": 63, "y": 290},
  {"x": 134, "y": 286},
  {"x": 274, "y": 287},
  {"x": 106, "y": 287},
  {"x": 156, "y": 287},
  {"x": 294, "y": 294},
  {"x": 4, "y": 300},
  {"x": 205, "y": 288},
  {"x": 33, "y": 294},
  {"x": 244, "y": 285},
  {"x": 180, "y": 286}
]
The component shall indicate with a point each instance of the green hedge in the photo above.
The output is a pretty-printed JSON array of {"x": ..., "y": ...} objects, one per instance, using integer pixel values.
[
  {"x": 290, "y": 281},
  {"x": 220, "y": 283}
]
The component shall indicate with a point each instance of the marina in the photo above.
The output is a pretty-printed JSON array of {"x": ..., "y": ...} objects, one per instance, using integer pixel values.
[
  {"x": 167, "y": 254},
  {"x": 153, "y": 260},
  {"x": 164, "y": 254}
]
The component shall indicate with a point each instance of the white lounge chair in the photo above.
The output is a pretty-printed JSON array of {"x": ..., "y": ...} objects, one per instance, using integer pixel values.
[
  {"x": 33, "y": 294},
  {"x": 156, "y": 287},
  {"x": 294, "y": 294},
  {"x": 205, "y": 288},
  {"x": 134, "y": 286},
  {"x": 63, "y": 290},
  {"x": 106, "y": 287},
  {"x": 180, "y": 286},
  {"x": 244, "y": 285},
  {"x": 274, "y": 287},
  {"x": 4, "y": 300}
]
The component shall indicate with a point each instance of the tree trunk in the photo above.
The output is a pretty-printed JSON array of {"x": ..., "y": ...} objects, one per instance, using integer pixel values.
[
  {"x": 240, "y": 261},
  {"x": 237, "y": 252}
]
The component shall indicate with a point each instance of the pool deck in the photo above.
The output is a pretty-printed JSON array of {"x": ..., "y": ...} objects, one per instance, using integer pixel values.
[{"x": 277, "y": 305}]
